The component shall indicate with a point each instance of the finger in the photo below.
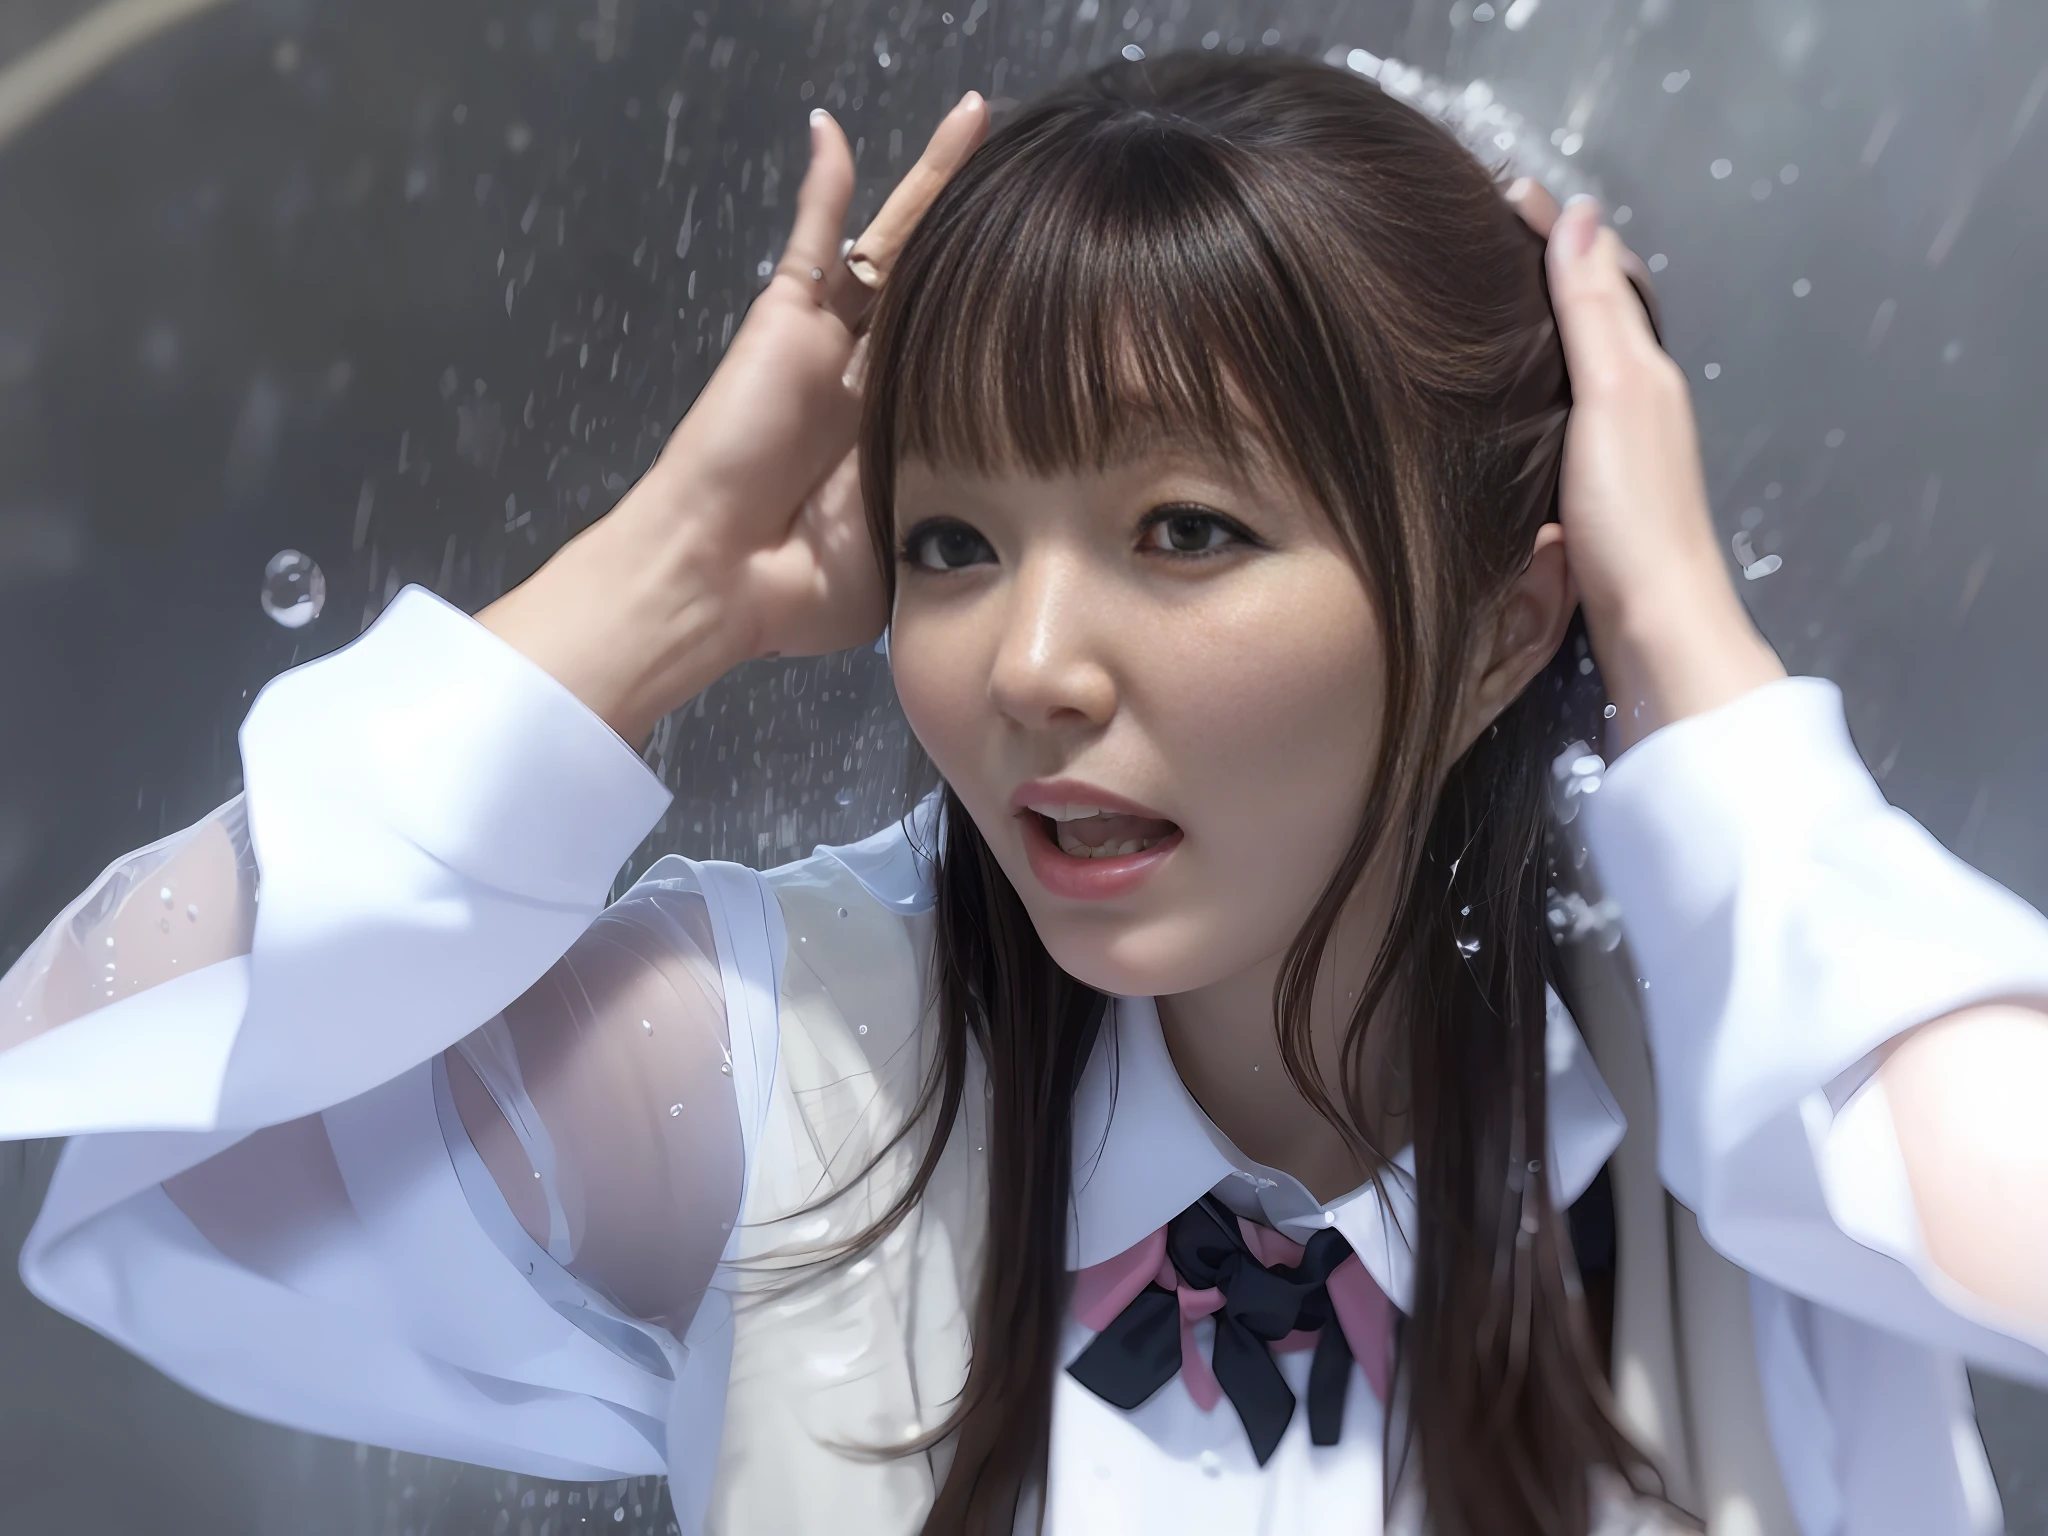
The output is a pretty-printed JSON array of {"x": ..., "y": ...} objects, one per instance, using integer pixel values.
[
  {"x": 1638, "y": 275},
  {"x": 1605, "y": 330},
  {"x": 1532, "y": 200},
  {"x": 958, "y": 135},
  {"x": 812, "y": 255}
]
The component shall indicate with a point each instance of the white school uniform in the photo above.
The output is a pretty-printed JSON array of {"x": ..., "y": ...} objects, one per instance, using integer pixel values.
[{"x": 435, "y": 822}]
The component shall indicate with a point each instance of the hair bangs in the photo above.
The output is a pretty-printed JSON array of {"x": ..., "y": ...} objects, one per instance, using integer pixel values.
[{"x": 1093, "y": 311}]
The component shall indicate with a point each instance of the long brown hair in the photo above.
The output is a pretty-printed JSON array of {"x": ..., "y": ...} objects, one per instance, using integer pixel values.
[{"x": 1269, "y": 251}]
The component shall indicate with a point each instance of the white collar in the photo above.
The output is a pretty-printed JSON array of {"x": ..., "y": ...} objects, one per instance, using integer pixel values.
[{"x": 1143, "y": 1149}]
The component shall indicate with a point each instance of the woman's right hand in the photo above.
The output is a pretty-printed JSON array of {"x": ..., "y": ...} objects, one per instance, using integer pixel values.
[{"x": 747, "y": 537}]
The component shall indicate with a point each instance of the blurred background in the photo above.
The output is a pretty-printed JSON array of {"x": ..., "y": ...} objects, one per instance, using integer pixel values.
[{"x": 303, "y": 300}]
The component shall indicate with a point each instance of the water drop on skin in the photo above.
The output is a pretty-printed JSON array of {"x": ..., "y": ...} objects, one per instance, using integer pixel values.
[
  {"x": 191, "y": 914},
  {"x": 294, "y": 589},
  {"x": 842, "y": 911},
  {"x": 674, "y": 1110},
  {"x": 164, "y": 895}
]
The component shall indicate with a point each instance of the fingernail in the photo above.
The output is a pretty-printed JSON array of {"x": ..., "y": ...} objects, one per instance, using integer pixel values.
[
  {"x": 1517, "y": 189},
  {"x": 864, "y": 270},
  {"x": 818, "y": 117}
]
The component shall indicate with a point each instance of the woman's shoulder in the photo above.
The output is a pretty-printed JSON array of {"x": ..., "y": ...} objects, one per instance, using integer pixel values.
[
  {"x": 857, "y": 921},
  {"x": 893, "y": 868}
]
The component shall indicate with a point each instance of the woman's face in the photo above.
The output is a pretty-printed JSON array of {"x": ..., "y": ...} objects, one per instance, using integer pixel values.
[{"x": 1169, "y": 661}]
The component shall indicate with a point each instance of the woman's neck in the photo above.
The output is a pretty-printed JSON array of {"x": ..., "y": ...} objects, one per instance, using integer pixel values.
[{"x": 1226, "y": 1048}]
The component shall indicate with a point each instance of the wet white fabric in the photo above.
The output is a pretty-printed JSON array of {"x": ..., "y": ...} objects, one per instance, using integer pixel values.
[
  {"x": 1788, "y": 923},
  {"x": 436, "y": 824}
]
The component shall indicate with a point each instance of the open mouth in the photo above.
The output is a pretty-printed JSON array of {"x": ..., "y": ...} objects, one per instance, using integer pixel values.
[{"x": 1088, "y": 832}]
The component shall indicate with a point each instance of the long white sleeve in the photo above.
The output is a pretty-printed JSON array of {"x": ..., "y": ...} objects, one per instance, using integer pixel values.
[
  {"x": 434, "y": 822},
  {"x": 1787, "y": 923}
]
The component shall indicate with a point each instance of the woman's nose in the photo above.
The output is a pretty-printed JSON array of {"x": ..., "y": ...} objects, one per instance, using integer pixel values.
[{"x": 1049, "y": 669}]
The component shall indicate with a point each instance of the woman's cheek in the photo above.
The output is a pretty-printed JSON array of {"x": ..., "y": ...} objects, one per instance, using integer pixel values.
[
  {"x": 936, "y": 684},
  {"x": 1275, "y": 741}
]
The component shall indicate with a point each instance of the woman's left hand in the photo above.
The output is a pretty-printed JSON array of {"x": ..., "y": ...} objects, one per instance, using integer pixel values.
[{"x": 1670, "y": 634}]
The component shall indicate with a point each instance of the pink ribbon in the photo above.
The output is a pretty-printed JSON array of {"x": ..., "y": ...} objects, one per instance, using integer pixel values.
[{"x": 1364, "y": 1313}]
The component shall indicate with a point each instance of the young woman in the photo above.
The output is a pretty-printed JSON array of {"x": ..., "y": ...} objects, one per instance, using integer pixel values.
[{"x": 1171, "y": 1124}]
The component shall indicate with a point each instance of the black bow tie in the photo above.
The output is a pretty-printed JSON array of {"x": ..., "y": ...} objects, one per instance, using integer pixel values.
[{"x": 1140, "y": 1350}]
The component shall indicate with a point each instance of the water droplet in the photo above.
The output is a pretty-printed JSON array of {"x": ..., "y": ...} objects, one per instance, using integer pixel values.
[
  {"x": 191, "y": 914},
  {"x": 1659, "y": 262},
  {"x": 842, "y": 911},
  {"x": 844, "y": 797},
  {"x": 294, "y": 589},
  {"x": 1468, "y": 946},
  {"x": 1801, "y": 288},
  {"x": 1210, "y": 1463},
  {"x": 1722, "y": 169},
  {"x": 863, "y": 1029},
  {"x": 110, "y": 941},
  {"x": 164, "y": 895},
  {"x": 646, "y": 1026},
  {"x": 674, "y": 1110},
  {"x": 1712, "y": 370},
  {"x": 164, "y": 923},
  {"x": 725, "y": 1067},
  {"x": 1609, "y": 712}
]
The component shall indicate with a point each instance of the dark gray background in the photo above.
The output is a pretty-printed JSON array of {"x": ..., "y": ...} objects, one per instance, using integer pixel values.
[{"x": 403, "y": 284}]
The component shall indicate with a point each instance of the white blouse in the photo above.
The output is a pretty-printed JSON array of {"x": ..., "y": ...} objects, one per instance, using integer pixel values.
[{"x": 431, "y": 1149}]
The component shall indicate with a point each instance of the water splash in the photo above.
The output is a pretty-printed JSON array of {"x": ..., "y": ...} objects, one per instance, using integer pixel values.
[{"x": 294, "y": 589}]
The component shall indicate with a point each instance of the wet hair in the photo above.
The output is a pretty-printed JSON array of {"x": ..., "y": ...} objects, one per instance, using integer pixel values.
[{"x": 1270, "y": 255}]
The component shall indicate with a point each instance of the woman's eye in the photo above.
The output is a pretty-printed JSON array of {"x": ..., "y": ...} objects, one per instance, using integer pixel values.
[
  {"x": 945, "y": 547},
  {"x": 1174, "y": 531}
]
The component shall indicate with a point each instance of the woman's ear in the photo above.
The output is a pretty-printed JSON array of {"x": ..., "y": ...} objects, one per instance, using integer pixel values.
[{"x": 1526, "y": 629}]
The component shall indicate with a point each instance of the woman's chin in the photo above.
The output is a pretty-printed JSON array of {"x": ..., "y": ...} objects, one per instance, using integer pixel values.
[{"x": 1136, "y": 956}]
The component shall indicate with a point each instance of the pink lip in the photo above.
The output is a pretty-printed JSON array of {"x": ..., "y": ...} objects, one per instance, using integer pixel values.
[{"x": 1062, "y": 874}]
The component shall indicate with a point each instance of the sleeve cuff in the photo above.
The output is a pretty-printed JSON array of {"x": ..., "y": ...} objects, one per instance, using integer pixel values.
[
  {"x": 1785, "y": 920},
  {"x": 437, "y": 730}
]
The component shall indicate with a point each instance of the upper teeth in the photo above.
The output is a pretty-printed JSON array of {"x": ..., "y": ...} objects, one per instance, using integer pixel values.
[{"x": 1071, "y": 812}]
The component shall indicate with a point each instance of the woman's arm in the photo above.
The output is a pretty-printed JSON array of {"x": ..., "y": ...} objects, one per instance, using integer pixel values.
[
  {"x": 747, "y": 537},
  {"x": 330, "y": 1108},
  {"x": 1674, "y": 642},
  {"x": 1966, "y": 1098}
]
